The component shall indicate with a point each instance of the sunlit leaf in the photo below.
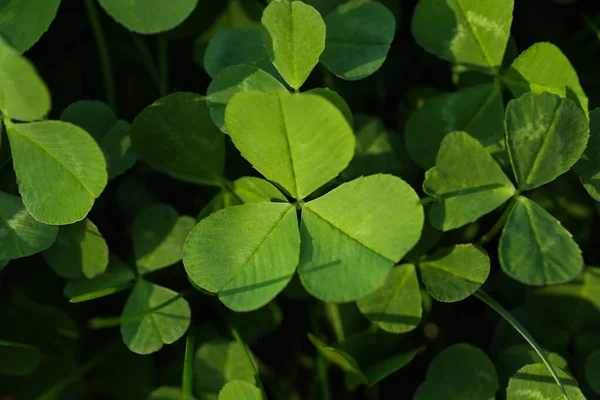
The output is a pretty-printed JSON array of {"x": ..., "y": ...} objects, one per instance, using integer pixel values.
[
  {"x": 534, "y": 382},
  {"x": 296, "y": 39},
  {"x": 466, "y": 183},
  {"x": 545, "y": 136},
  {"x": 355, "y": 234},
  {"x": 240, "y": 390},
  {"x": 298, "y": 141},
  {"x": 60, "y": 170},
  {"x": 535, "y": 249},
  {"x": 247, "y": 254},
  {"x": 396, "y": 306}
]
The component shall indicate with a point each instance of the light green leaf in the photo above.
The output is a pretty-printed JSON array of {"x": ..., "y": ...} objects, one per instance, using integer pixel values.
[
  {"x": 149, "y": 16},
  {"x": 240, "y": 390},
  {"x": 592, "y": 371},
  {"x": 159, "y": 234},
  {"x": 250, "y": 189},
  {"x": 98, "y": 119},
  {"x": 534, "y": 382},
  {"x": 247, "y": 254},
  {"x": 60, "y": 170},
  {"x": 176, "y": 137},
  {"x": 368, "y": 368},
  {"x": 235, "y": 46},
  {"x": 298, "y": 141},
  {"x": 477, "y": 110},
  {"x": 235, "y": 79},
  {"x": 588, "y": 166},
  {"x": 466, "y": 183},
  {"x": 336, "y": 100},
  {"x": 517, "y": 356},
  {"x": 396, "y": 306},
  {"x": 169, "y": 393},
  {"x": 219, "y": 362},
  {"x": 544, "y": 68},
  {"x": 23, "y": 22},
  {"x": 459, "y": 372},
  {"x": 545, "y": 136},
  {"x": 353, "y": 236},
  {"x": 23, "y": 94},
  {"x": 297, "y": 39},
  {"x": 17, "y": 359},
  {"x": 147, "y": 334},
  {"x": 473, "y": 33},
  {"x": 535, "y": 249},
  {"x": 454, "y": 273},
  {"x": 79, "y": 250},
  {"x": 20, "y": 234},
  {"x": 359, "y": 34},
  {"x": 117, "y": 275}
]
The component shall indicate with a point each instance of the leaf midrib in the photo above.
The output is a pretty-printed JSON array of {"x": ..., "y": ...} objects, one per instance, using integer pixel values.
[
  {"x": 473, "y": 32},
  {"x": 53, "y": 157},
  {"x": 443, "y": 268},
  {"x": 288, "y": 146}
]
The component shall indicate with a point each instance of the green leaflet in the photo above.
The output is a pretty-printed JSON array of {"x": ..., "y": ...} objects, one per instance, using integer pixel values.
[
  {"x": 592, "y": 371},
  {"x": 117, "y": 275},
  {"x": 298, "y": 141},
  {"x": 396, "y": 306},
  {"x": 218, "y": 362},
  {"x": 296, "y": 39},
  {"x": 375, "y": 149},
  {"x": 368, "y": 368},
  {"x": 159, "y": 233},
  {"x": 20, "y": 234},
  {"x": 354, "y": 235},
  {"x": 535, "y": 382},
  {"x": 240, "y": 390},
  {"x": 79, "y": 250},
  {"x": 545, "y": 136},
  {"x": 60, "y": 170},
  {"x": 477, "y": 110},
  {"x": 176, "y": 137},
  {"x": 23, "y": 94},
  {"x": 535, "y": 249},
  {"x": 359, "y": 34},
  {"x": 336, "y": 100},
  {"x": 473, "y": 33},
  {"x": 147, "y": 334},
  {"x": 588, "y": 166},
  {"x": 517, "y": 356},
  {"x": 17, "y": 359},
  {"x": 169, "y": 393},
  {"x": 460, "y": 372},
  {"x": 23, "y": 22},
  {"x": 247, "y": 254},
  {"x": 98, "y": 119},
  {"x": 149, "y": 16},
  {"x": 454, "y": 273},
  {"x": 544, "y": 68},
  {"x": 235, "y": 79},
  {"x": 465, "y": 180},
  {"x": 235, "y": 46}
]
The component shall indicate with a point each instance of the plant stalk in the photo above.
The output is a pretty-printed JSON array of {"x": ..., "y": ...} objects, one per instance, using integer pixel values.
[
  {"x": 499, "y": 224},
  {"x": 240, "y": 341},
  {"x": 104, "y": 55},
  {"x": 187, "y": 383}
]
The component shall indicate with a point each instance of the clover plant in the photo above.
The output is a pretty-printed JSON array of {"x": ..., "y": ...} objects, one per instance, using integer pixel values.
[{"x": 299, "y": 199}]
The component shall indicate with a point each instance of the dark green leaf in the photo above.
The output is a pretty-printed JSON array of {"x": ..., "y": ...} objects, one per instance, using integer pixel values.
[{"x": 588, "y": 166}]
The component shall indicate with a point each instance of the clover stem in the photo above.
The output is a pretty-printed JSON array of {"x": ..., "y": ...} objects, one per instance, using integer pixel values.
[
  {"x": 244, "y": 348},
  {"x": 494, "y": 305},
  {"x": 163, "y": 65},
  {"x": 187, "y": 382},
  {"x": 499, "y": 223},
  {"x": 333, "y": 315},
  {"x": 104, "y": 55}
]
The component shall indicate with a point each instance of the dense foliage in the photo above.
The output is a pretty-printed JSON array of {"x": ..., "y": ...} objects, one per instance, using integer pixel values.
[{"x": 318, "y": 199}]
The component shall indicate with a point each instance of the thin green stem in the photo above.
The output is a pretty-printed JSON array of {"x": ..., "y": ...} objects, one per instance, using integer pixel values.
[
  {"x": 426, "y": 200},
  {"x": 147, "y": 60},
  {"x": 104, "y": 55},
  {"x": 332, "y": 311},
  {"x": 163, "y": 65},
  {"x": 499, "y": 224},
  {"x": 55, "y": 391},
  {"x": 102, "y": 293},
  {"x": 322, "y": 378},
  {"x": 187, "y": 382},
  {"x": 494, "y": 305},
  {"x": 240, "y": 341},
  {"x": 111, "y": 322}
]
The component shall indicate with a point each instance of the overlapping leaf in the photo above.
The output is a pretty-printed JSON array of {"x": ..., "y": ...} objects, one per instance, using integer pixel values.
[
  {"x": 60, "y": 170},
  {"x": 355, "y": 234},
  {"x": 536, "y": 382},
  {"x": 23, "y": 22},
  {"x": 240, "y": 390},
  {"x": 466, "y": 183}
]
